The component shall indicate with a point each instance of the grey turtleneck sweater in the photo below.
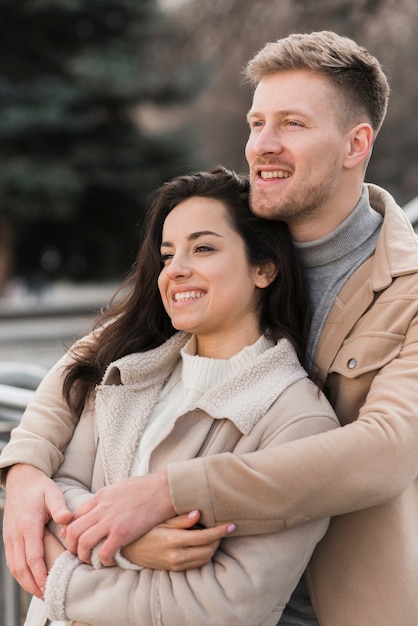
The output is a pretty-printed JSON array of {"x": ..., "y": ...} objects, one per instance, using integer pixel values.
[{"x": 329, "y": 262}]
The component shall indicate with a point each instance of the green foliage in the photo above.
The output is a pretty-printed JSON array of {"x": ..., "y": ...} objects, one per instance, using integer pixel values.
[{"x": 72, "y": 158}]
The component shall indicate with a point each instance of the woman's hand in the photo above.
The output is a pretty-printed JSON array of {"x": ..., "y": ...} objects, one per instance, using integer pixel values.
[{"x": 175, "y": 546}]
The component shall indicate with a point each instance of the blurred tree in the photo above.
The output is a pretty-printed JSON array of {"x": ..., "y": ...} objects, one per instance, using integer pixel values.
[{"x": 76, "y": 166}]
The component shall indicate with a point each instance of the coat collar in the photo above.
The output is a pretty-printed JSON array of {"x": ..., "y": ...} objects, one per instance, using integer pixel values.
[
  {"x": 396, "y": 254},
  {"x": 132, "y": 385},
  {"x": 397, "y": 247},
  {"x": 243, "y": 397}
]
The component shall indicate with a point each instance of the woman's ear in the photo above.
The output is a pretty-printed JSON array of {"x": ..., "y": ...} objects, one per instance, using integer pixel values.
[{"x": 265, "y": 274}]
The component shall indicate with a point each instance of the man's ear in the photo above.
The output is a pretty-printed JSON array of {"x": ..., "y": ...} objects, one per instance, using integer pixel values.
[
  {"x": 265, "y": 274},
  {"x": 359, "y": 145}
]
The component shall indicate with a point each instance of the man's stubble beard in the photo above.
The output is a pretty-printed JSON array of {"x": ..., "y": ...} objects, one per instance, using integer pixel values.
[{"x": 290, "y": 208}]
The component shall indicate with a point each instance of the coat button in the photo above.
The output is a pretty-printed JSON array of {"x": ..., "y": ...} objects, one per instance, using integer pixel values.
[{"x": 351, "y": 363}]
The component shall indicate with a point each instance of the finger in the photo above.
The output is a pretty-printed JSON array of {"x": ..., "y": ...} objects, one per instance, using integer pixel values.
[
  {"x": 208, "y": 535},
  {"x": 78, "y": 528},
  {"x": 192, "y": 557},
  {"x": 37, "y": 566},
  {"x": 187, "y": 520},
  {"x": 92, "y": 537},
  {"x": 28, "y": 568},
  {"x": 109, "y": 548}
]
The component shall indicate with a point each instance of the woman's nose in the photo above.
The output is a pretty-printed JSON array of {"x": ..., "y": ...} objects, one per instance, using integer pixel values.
[{"x": 178, "y": 268}]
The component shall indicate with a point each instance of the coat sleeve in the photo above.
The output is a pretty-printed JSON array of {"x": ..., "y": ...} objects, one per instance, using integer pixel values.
[
  {"x": 46, "y": 427},
  {"x": 367, "y": 462},
  {"x": 248, "y": 582}
]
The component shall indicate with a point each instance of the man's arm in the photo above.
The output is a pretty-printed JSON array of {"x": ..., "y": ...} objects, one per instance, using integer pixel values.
[
  {"x": 34, "y": 452},
  {"x": 365, "y": 463},
  {"x": 46, "y": 426}
]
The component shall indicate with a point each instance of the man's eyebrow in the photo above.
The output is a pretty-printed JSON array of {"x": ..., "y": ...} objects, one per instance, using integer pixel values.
[
  {"x": 194, "y": 236},
  {"x": 252, "y": 114}
]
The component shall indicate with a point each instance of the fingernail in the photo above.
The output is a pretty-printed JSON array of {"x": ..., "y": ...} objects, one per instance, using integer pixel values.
[
  {"x": 192, "y": 514},
  {"x": 231, "y": 528}
]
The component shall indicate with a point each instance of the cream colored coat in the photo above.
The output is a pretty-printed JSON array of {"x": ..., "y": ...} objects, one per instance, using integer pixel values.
[{"x": 250, "y": 579}]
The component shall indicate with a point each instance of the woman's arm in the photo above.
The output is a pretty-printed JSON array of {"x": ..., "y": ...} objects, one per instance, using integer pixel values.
[{"x": 248, "y": 579}]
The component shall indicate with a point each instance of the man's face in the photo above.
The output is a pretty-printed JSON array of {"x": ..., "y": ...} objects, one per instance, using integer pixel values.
[{"x": 296, "y": 149}]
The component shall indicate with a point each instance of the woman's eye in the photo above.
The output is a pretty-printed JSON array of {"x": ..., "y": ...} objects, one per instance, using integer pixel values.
[
  {"x": 166, "y": 256},
  {"x": 203, "y": 248}
]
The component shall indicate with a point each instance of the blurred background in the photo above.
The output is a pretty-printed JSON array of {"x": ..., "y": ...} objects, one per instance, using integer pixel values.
[{"x": 103, "y": 100}]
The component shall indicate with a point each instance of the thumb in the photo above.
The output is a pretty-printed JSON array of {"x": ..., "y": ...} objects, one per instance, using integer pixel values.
[{"x": 56, "y": 505}]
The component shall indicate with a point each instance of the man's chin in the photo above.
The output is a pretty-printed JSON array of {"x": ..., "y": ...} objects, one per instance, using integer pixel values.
[{"x": 262, "y": 209}]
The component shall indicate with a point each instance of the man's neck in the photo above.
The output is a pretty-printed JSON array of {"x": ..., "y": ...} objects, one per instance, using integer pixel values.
[{"x": 325, "y": 220}]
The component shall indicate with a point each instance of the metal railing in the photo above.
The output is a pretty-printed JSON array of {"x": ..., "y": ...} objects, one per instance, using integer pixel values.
[{"x": 17, "y": 384}]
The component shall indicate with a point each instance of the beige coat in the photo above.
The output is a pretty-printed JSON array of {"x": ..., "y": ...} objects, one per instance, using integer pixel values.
[
  {"x": 250, "y": 579},
  {"x": 365, "y": 571}
]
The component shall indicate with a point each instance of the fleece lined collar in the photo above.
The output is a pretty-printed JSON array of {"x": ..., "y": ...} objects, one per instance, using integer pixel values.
[{"x": 132, "y": 385}]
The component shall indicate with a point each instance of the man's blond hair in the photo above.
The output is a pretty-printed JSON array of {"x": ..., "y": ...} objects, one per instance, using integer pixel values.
[{"x": 357, "y": 75}]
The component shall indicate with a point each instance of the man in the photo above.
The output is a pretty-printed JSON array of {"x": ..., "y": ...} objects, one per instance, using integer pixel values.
[{"x": 319, "y": 102}]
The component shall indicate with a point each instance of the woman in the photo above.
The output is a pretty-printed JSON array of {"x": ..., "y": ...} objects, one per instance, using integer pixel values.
[{"x": 202, "y": 355}]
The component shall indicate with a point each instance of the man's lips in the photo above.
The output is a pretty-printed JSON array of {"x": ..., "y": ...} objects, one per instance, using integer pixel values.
[{"x": 268, "y": 174}]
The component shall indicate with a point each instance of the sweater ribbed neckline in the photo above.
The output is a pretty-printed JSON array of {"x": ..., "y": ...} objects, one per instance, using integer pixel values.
[{"x": 201, "y": 373}]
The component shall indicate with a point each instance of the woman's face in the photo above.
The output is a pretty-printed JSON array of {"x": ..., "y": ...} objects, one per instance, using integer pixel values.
[{"x": 207, "y": 285}]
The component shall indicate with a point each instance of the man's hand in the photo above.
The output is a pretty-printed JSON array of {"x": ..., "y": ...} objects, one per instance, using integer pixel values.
[
  {"x": 32, "y": 500},
  {"x": 119, "y": 514},
  {"x": 174, "y": 547}
]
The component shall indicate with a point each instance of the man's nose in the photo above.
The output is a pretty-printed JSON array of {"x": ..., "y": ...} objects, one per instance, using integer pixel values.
[{"x": 266, "y": 141}]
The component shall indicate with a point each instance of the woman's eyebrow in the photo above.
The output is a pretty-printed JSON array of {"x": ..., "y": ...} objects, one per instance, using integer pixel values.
[{"x": 193, "y": 236}]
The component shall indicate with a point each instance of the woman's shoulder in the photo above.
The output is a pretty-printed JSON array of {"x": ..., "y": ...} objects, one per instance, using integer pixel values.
[{"x": 301, "y": 401}]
